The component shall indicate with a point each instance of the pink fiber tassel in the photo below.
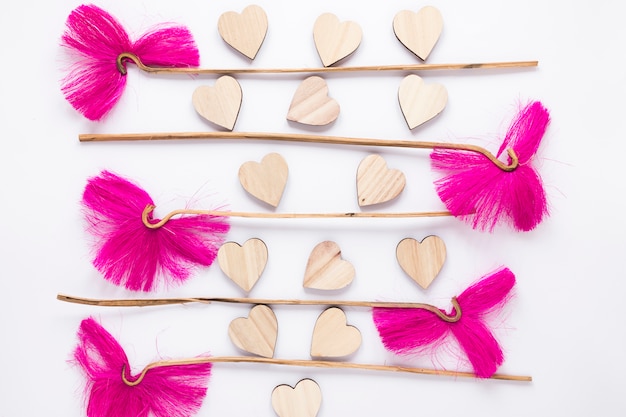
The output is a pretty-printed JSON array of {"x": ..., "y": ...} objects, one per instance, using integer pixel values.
[
  {"x": 130, "y": 254},
  {"x": 94, "y": 84},
  {"x": 483, "y": 194},
  {"x": 407, "y": 331},
  {"x": 169, "y": 391}
]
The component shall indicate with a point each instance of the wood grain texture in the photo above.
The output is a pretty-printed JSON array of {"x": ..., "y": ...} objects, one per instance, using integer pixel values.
[
  {"x": 420, "y": 102},
  {"x": 335, "y": 40},
  {"x": 265, "y": 180},
  {"x": 376, "y": 183},
  {"x": 244, "y": 31},
  {"x": 419, "y": 32},
  {"x": 326, "y": 270},
  {"x": 311, "y": 104},
  {"x": 422, "y": 261},
  {"x": 243, "y": 264},
  {"x": 219, "y": 104},
  {"x": 256, "y": 333},
  {"x": 333, "y": 337},
  {"x": 303, "y": 400}
]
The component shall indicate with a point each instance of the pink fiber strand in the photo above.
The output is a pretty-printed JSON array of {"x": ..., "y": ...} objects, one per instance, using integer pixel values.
[
  {"x": 94, "y": 84},
  {"x": 482, "y": 194},
  {"x": 170, "y": 391},
  {"x": 132, "y": 255},
  {"x": 413, "y": 331}
]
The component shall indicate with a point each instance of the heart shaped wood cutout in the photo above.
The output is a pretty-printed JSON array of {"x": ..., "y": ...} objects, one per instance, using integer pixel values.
[
  {"x": 335, "y": 40},
  {"x": 326, "y": 270},
  {"x": 419, "y": 101},
  {"x": 311, "y": 105},
  {"x": 332, "y": 337},
  {"x": 243, "y": 264},
  {"x": 303, "y": 400},
  {"x": 418, "y": 32},
  {"x": 422, "y": 261},
  {"x": 219, "y": 104},
  {"x": 375, "y": 183},
  {"x": 265, "y": 180},
  {"x": 245, "y": 32},
  {"x": 257, "y": 333}
]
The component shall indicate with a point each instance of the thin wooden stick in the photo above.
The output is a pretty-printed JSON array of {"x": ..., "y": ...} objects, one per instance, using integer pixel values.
[
  {"x": 298, "y": 137},
  {"x": 126, "y": 56},
  {"x": 315, "y": 364},
  {"x": 147, "y": 302},
  {"x": 145, "y": 215}
]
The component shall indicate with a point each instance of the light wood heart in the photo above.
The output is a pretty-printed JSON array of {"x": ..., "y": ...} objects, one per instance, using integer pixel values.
[
  {"x": 245, "y": 32},
  {"x": 422, "y": 261},
  {"x": 419, "y": 101},
  {"x": 265, "y": 180},
  {"x": 375, "y": 183},
  {"x": 219, "y": 104},
  {"x": 335, "y": 40},
  {"x": 333, "y": 337},
  {"x": 311, "y": 105},
  {"x": 243, "y": 264},
  {"x": 257, "y": 333},
  {"x": 419, "y": 32},
  {"x": 326, "y": 270},
  {"x": 303, "y": 400}
]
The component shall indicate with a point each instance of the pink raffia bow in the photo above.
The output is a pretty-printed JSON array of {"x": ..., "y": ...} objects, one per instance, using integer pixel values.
[{"x": 95, "y": 83}]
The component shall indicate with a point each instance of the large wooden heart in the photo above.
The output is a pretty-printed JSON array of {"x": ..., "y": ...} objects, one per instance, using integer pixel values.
[
  {"x": 419, "y": 101},
  {"x": 220, "y": 103},
  {"x": 257, "y": 333},
  {"x": 335, "y": 40},
  {"x": 333, "y": 337},
  {"x": 311, "y": 105},
  {"x": 243, "y": 264},
  {"x": 265, "y": 180},
  {"x": 245, "y": 32},
  {"x": 326, "y": 270},
  {"x": 375, "y": 183},
  {"x": 422, "y": 261},
  {"x": 303, "y": 400},
  {"x": 420, "y": 31}
]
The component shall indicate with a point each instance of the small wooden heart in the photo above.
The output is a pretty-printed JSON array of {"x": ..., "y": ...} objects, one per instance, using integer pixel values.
[
  {"x": 311, "y": 105},
  {"x": 303, "y": 400},
  {"x": 335, "y": 40},
  {"x": 245, "y": 32},
  {"x": 243, "y": 264},
  {"x": 257, "y": 333},
  {"x": 419, "y": 101},
  {"x": 219, "y": 104},
  {"x": 265, "y": 180},
  {"x": 422, "y": 261},
  {"x": 326, "y": 270},
  {"x": 332, "y": 337},
  {"x": 419, "y": 32},
  {"x": 375, "y": 183}
]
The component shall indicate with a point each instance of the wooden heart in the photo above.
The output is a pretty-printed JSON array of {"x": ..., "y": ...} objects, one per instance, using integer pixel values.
[
  {"x": 243, "y": 264},
  {"x": 335, "y": 40},
  {"x": 303, "y": 400},
  {"x": 422, "y": 261},
  {"x": 332, "y": 337},
  {"x": 419, "y": 101},
  {"x": 420, "y": 31},
  {"x": 245, "y": 32},
  {"x": 219, "y": 104},
  {"x": 257, "y": 333},
  {"x": 326, "y": 270},
  {"x": 265, "y": 180},
  {"x": 375, "y": 183},
  {"x": 311, "y": 105}
]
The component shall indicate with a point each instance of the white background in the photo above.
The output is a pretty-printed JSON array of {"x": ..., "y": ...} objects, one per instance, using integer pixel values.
[{"x": 565, "y": 327}]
